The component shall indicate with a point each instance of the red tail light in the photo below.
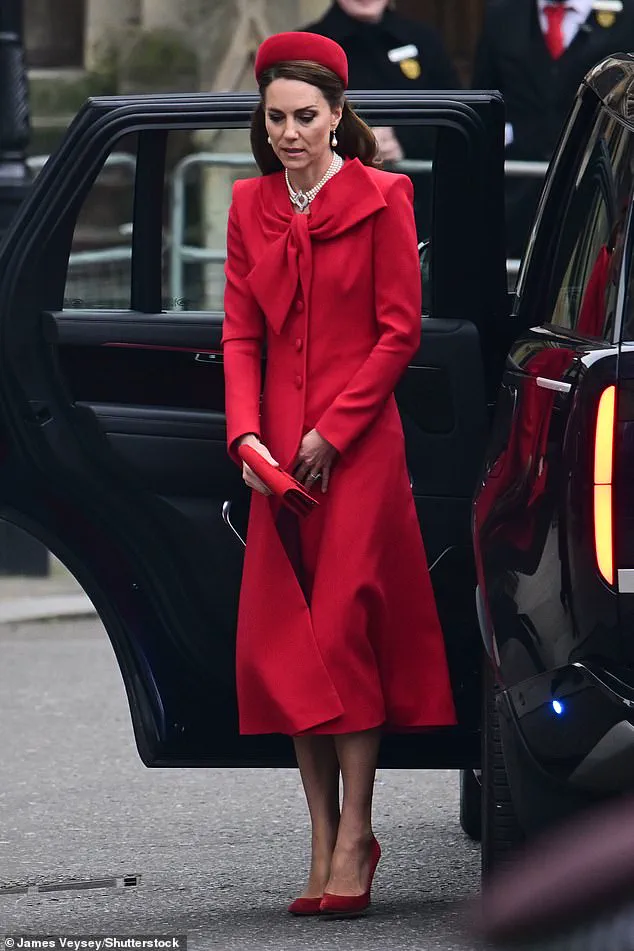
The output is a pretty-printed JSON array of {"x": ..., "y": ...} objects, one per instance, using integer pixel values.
[{"x": 603, "y": 460}]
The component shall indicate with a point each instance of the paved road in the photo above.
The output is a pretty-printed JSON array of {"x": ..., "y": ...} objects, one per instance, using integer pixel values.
[{"x": 220, "y": 852}]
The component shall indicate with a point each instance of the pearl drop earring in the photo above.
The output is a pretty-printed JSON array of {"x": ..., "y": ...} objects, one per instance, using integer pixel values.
[
  {"x": 335, "y": 141},
  {"x": 268, "y": 139}
]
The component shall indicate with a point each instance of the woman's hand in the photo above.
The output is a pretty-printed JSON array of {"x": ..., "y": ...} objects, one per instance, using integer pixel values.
[
  {"x": 315, "y": 459},
  {"x": 248, "y": 474}
]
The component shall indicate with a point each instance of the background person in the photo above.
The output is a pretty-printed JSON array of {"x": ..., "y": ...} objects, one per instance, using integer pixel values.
[
  {"x": 338, "y": 635},
  {"x": 570, "y": 887},
  {"x": 537, "y": 53},
  {"x": 387, "y": 51}
]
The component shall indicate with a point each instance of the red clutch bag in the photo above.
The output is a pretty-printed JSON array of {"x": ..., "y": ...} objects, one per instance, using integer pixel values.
[{"x": 280, "y": 483}]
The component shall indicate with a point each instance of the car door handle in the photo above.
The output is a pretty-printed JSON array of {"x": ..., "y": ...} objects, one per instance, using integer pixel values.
[{"x": 558, "y": 385}]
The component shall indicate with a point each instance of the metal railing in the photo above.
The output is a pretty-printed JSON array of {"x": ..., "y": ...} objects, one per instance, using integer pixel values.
[
  {"x": 112, "y": 254},
  {"x": 180, "y": 253}
]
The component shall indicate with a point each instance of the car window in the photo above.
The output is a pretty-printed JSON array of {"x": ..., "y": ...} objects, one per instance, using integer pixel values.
[
  {"x": 100, "y": 264},
  {"x": 584, "y": 277},
  {"x": 580, "y": 303},
  {"x": 202, "y": 168}
]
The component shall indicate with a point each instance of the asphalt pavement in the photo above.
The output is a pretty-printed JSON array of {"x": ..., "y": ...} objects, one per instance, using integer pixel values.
[
  {"x": 218, "y": 852},
  {"x": 32, "y": 598}
]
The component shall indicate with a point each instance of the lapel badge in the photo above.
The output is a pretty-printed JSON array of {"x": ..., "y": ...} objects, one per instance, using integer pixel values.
[
  {"x": 605, "y": 19},
  {"x": 411, "y": 68},
  {"x": 606, "y": 11}
]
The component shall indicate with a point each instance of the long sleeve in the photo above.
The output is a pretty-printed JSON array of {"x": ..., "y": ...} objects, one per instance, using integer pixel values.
[
  {"x": 242, "y": 338},
  {"x": 398, "y": 313}
]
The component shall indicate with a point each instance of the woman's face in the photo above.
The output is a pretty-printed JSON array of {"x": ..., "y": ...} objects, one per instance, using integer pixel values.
[
  {"x": 369, "y": 11},
  {"x": 299, "y": 122}
]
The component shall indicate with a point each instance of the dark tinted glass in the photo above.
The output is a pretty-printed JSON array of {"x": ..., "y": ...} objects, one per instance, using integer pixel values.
[
  {"x": 100, "y": 263},
  {"x": 586, "y": 268}
]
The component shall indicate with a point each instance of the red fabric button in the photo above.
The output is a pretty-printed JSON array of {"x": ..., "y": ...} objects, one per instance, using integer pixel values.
[
  {"x": 299, "y": 343},
  {"x": 299, "y": 305},
  {"x": 298, "y": 382}
]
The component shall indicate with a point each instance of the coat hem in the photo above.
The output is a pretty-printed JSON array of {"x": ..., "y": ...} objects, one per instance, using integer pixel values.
[{"x": 332, "y": 730}]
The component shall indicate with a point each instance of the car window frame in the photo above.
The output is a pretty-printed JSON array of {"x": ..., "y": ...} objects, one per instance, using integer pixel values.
[
  {"x": 579, "y": 139},
  {"x": 486, "y": 296}
]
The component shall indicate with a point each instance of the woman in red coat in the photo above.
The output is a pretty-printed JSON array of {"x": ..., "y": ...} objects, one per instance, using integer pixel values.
[{"x": 338, "y": 635}]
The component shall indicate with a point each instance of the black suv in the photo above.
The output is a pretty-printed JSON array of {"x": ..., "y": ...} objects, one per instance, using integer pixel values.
[
  {"x": 553, "y": 513},
  {"x": 112, "y": 433}
]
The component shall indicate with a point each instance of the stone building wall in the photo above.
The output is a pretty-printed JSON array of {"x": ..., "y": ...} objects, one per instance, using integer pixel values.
[
  {"x": 220, "y": 33},
  {"x": 79, "y": 48}
]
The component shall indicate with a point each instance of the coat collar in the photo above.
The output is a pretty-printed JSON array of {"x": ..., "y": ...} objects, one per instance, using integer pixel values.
[{"x": 350, "y": 197}]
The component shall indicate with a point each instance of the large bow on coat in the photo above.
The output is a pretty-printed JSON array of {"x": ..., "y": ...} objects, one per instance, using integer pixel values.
[{"x": 347, "y": 199}]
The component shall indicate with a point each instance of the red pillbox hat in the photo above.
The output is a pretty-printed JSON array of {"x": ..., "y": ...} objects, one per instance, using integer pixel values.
[{"x": 307, "y": 47}]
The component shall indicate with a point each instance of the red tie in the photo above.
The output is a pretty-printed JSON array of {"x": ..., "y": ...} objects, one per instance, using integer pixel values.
[{"x": 555, "y": 13}]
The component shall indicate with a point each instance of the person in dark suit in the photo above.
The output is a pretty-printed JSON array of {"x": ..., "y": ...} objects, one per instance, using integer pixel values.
[
  {"x": 537, "y": 53},
  {"x": 387, "y": 51}
]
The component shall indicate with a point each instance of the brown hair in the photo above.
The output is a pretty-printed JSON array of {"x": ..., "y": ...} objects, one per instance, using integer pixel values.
[{"x": 355, "y": 139}]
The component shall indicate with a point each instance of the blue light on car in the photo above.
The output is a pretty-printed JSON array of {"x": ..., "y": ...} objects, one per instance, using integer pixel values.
[{"x": 558, "y": 707}]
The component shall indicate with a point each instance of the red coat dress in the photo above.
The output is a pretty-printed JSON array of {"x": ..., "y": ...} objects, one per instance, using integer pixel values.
[{"x": 335, "y": 298}]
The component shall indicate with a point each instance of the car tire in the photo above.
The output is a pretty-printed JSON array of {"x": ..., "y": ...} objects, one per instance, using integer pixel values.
[
  {"x": 501, "y": 832},
  {"x": 470, "y": 804}
]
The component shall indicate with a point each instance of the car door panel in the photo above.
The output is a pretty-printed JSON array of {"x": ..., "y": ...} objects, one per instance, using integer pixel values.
[
  {"x": 180, "y": 453},
  {"x": 124, "y": 377},
  {"x": 114, "y": 428},
  {"x": 159, "y": 421},
  {"x": 195, "y": 332}
]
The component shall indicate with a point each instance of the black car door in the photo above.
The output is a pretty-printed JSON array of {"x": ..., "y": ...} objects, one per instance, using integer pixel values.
[{"x": 112, "y": 430}]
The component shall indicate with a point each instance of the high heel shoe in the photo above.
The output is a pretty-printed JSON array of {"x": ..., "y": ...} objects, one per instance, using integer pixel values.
[
  {"x": 350, "y": 906},
  {"x": 305, "y": 906}
]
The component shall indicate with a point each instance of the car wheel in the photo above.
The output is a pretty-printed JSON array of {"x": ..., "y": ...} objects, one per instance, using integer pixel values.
[
  {"x": 501, "y": 832},
  {"x": 470, "y": 804}
]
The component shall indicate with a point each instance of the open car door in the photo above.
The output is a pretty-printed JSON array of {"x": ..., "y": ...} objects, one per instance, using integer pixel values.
[{"x": 112, "y": 404}]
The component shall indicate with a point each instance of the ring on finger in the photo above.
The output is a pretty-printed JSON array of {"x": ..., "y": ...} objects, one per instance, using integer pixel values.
[{"x": 314, "y": 476}]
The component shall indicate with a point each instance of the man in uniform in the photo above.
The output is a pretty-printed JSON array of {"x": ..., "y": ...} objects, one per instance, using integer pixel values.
[
  {"x": 387, "y": 51},
  {"x": 536, "y": 53}
]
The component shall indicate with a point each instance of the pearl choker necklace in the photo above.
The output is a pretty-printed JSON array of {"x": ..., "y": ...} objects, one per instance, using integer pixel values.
[{"x": 302, "y": 199}]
